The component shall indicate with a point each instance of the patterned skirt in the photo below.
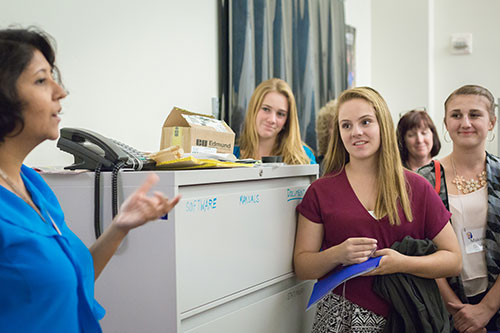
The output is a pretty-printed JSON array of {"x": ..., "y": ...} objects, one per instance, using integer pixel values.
[{"x": 335, "y": 313}]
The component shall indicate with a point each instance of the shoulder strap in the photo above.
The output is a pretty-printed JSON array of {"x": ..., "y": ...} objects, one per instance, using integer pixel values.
[{"x": 437, "y": 170}]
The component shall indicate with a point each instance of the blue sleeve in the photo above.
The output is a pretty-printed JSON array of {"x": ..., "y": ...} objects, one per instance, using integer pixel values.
[
  {"x": 309, "y": 153},
  {"x": 236, "y": 151}
]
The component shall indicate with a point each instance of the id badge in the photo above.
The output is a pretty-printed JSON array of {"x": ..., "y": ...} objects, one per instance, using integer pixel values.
[{"x": 473, "y": 240}]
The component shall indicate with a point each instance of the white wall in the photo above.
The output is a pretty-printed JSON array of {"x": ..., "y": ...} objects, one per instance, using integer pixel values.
[
  {"x": 392, "y": 49},
  {"x": 358, "y": 15},
  {"x": 125, "y": 63},
  {"x": 411, "y": 64},
  {"x": 400, "y": 53},
  {"x": 482, "y": 19}
]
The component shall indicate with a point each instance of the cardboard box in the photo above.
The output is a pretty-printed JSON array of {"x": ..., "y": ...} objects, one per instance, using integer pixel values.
[{"x": 196, "y": 132}]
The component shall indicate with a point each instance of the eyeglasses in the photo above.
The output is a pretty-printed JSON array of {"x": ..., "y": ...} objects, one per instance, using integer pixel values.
[{"x": 419, "y": 109}]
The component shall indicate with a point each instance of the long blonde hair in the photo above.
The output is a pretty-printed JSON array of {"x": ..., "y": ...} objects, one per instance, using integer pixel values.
[
  {"x": 288, "y": 143},
  {"x": 391, "y": 184}
]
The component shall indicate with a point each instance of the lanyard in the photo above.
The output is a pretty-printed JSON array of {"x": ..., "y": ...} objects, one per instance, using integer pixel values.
[{"x": 28, "y": 201}]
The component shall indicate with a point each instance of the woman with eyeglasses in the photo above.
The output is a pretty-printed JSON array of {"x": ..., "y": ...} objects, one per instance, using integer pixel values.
[
  {"x": 469, "y": 186},
  {"x": 418, "y": 140}
]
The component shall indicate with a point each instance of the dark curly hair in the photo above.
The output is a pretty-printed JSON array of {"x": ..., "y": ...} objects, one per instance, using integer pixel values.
[
  {"x": 16, "y": 51},
  {"x": 415, "y": 119}
]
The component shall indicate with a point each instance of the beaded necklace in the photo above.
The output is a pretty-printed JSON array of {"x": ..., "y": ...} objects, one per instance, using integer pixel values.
[{"x": 468, "y": 186}]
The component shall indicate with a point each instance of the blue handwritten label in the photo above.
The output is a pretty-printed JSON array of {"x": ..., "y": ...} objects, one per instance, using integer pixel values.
[
  {"x": 246, "y": 199},
  {"x": 201, "y": 205},
  {"x": 295, "y": 194}
]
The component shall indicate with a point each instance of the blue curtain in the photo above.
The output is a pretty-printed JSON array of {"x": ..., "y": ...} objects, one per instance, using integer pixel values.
[{"x": 300, "y": 41}]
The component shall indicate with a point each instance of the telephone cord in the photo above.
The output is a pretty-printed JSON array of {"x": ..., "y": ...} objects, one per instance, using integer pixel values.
[
  {"x": 97, "y": 201},
  {"x": 114, "y": 186}
]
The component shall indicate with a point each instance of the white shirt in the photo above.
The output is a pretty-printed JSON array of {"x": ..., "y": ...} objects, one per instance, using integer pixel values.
[{"x": 469, "y": 223}]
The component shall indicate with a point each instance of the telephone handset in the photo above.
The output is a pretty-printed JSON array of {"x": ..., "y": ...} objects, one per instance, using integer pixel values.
[
  {"x": 91, "y": 150},
  {"x": 95, "y": 152}
]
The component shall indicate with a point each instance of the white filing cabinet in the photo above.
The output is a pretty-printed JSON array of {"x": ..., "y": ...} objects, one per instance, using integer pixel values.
[{"x": 222, "y": 262}]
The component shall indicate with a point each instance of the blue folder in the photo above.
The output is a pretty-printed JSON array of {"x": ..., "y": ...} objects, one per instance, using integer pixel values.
[{"x": 323, "y": 287}]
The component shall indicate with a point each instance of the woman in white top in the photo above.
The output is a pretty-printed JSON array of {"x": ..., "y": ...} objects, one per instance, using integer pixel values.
[{"x": 469, "y": 187}]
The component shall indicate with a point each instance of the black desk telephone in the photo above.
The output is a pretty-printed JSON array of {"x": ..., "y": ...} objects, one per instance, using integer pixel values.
[
  {"x": 91, "y": 150},
  {"x": 95, "y": 152}
]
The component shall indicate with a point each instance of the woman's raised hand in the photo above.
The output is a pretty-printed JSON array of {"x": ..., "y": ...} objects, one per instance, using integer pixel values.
[{"x": 140, "y": 208}]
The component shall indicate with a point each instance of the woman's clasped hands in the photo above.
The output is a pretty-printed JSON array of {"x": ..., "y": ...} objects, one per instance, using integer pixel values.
[
  {"x": 471, "y": 317},
  {"x": 359, "y": 249}
]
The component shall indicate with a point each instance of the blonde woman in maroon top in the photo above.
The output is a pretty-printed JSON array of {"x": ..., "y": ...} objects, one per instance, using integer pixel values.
[{"x": 365, "y": 202}]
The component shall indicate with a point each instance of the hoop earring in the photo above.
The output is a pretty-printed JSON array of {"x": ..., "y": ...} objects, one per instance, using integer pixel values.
[
  {"x": 492, "y": 137},
  {"x": 444, "y": 137}
]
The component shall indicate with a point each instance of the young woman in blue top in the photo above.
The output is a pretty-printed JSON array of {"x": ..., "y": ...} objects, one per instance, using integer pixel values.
[
  {"x": 271, "y": 126},
  {"x": 46, "y": 273}
]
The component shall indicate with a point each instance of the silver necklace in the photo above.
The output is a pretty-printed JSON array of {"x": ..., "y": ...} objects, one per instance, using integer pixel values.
[{"x": 27, "y": 200}]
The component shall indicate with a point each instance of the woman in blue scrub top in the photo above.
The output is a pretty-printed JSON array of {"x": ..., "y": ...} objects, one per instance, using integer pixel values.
[
  {"x": 46, "y": 273},
  {"x": 271, "y": 126}
]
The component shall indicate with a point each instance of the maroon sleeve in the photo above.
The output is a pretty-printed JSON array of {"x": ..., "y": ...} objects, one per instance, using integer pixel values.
[
  {"x": 435, "y": 214},
  {"x": 310, "y": 206}
]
